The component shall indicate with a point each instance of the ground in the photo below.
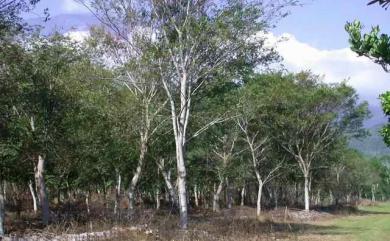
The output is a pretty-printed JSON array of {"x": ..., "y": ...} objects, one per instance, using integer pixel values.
[
  {"x": 367, "y": 223},
  {"x": 372, "y": 224}
]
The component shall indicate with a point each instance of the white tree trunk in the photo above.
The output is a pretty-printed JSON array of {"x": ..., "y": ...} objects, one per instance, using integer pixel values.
[
  {"x": 229, "y": 197},
  {"x": 87, "y": 203},
  {"x": 373, "y": 193},
  {"x": 42, "y": 190},
  {"x": 137, "y": 174},
  {"x": 196, "y": 196},
  {"x": 318, "y": 199},
  {"x": 34, "y": 197},
  {"x": 216, "y": 207},
  {"x": 276, "y": 197},
  {"x": 307, "y": 195},
  {"x": 158, "y": 204},
  {"x": 258, "y": 204},
  {"x": 2, "y": 210},
  {"x": 168, "y": 183},
  {"x": 243, "y": 195},
  {"x": 117, "y": 193},
  {"x": 182, "y": 191}
]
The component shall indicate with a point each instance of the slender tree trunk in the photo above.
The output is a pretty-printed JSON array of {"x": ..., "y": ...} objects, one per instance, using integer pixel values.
[
  {"x": 181, "y": 173},
  {"x": 276, "y": 196},
  {"x": 229, "y": 197},
  {"x": 243, "y": 196},
  {"x": 330, "y": 197},
  {"x": 171, "y": 189},
  {"x": 258, "y": 204},
  {"x": 307, "y": 196},
  {"x": 137, "y": 174},
  {"x": 42, "y": 190},
  {"x": 5, "y": 191},
  {"x": 196, "y": 195},
  {"x": 157, "y": 199},
  {"x": 2, "y": 210},
  {"x": 318, "y": 199},
  {"x": 33, "y": 195},
  {"x": 87, "y": 203},
  {"x": 349, "y": 197},
  {"x": 117, "y": 192},
  {"x": 373, "y": 193},
  {"x": 217, "y": 193}
]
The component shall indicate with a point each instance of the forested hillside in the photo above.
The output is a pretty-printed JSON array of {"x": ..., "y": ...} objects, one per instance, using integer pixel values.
[
  {"x": 372, "y": 144},
  {"x": 164, "y": 107}
]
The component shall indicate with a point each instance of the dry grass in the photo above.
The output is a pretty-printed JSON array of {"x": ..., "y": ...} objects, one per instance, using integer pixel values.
[{"x": 238, "y": 223}]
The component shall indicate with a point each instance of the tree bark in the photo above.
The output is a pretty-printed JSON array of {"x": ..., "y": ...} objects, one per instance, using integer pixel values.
[
  {"x": 307, "y": 195},
  {"x": 229, "y": 197},
  {"x": 168, "y": 183},
  {"x": 182, "y": 190},
  {"x": 42, "y": 190},
  {"x": 243, "y": 196},
  {"x": 258, "y": 203},
  {"x": 2, "y": 210},
  {"x": 217, "y": 193},
  {"x": 373, "y": 193},
  {"x": 157, "y": 199},
  {"x": 276, "y": 197},
  {"x": 137, "y": 174},
  {"x": 34, "y": 197},
  {"x": 196, "y": 196},
  {"x": 117, "y": 193}
]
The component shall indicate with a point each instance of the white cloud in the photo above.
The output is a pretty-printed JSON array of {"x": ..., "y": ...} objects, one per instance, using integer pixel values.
[
  {"x": 71, "y": 6},
  {"x": 336, "y": 65},
  {"x": 78, "y": 36}
]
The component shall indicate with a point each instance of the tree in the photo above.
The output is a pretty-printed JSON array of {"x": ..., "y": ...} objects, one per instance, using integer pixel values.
[
  {"x": 310, "y": 116},
  {"x": 194, "y": 41},
  {"x": 10, "y": 21},
  {"x": 375, "y": 46},
  {"x": 383, "y": 3}
]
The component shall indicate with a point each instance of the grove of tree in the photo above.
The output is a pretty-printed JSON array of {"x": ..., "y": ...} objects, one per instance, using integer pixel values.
[{"x": 175, "y": 104}]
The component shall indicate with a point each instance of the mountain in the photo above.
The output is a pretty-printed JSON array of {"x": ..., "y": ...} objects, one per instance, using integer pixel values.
[{"x": 372, "y": 145}]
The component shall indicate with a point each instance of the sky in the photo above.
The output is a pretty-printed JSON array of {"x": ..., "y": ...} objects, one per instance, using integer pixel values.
[{"x": 314, "y": 39}]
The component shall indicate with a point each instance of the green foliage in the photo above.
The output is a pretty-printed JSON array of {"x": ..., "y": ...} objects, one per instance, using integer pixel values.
[{"x": 376, "y": 46}]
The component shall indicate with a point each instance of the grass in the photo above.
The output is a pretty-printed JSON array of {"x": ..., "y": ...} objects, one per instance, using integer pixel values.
[
  {"x": 371, "y": 224},
  {"x": 368, "y": 223}
]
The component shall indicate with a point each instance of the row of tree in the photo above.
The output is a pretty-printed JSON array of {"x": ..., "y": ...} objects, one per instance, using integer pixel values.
[{"x": 166, "y": 101}]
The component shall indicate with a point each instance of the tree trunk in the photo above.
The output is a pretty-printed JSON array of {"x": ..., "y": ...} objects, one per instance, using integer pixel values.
[
  {"x": 217, "y": 193},
  {"x": 34, "y": 197},
  {"x": 117, "y": 192},
  {"x": 137, "y": 174},
  {"x": 276, "y": 196},
  {"x": 171, "y": 189},
  {"x": 307, "y": 196},
  {"x": 2, "y": 210},
  {"x": 258, "y": 204},
  {"x": 42, "y": 190},
  {"x": 87, "y": 203},
  {"x": 243, "y": 196},
  {"x": 196, "y": 196},
  {"x": 318, "y": 199},
  {"x": 349, "y": 197},
  {"x": 157, "y": 199},
  {"x": 373, "y": 193},
  {"x": 330, "y": 197},
  {"x": 229, "y": 197},
  {"x": 182, "y": 190}
]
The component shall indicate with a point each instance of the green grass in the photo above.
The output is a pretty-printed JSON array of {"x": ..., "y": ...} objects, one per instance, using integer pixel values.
[{"x": 372, "y": 225}]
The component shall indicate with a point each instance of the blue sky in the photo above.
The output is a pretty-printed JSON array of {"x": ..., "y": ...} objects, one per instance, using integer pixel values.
[
  {"x": 316, "y": 41},
  {"x": 320, "y": 23}
]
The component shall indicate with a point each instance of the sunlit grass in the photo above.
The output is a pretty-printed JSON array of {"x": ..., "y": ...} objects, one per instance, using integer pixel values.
[{"x": 372, "y": 225}]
